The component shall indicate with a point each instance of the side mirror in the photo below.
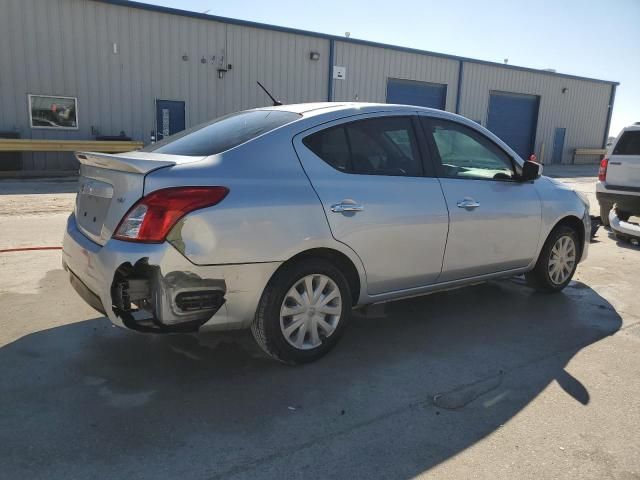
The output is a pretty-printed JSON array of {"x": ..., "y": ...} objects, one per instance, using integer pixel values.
[{"x": 530, "y": 171}]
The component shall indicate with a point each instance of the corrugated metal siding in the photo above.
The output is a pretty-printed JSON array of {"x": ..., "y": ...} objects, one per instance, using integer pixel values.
[
  {"x": 582, "y": 110},
  {"x": 65, "y": 47},
  {"x": 369, "y": 67}
]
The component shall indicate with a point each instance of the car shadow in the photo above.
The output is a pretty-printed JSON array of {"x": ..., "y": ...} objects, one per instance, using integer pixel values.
[
  {"x": 411, "y": 384},
  {"x": 622, "y": 242}
]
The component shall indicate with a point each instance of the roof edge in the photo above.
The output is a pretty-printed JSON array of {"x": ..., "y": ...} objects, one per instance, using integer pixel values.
[{"x": 326, "y": 36}]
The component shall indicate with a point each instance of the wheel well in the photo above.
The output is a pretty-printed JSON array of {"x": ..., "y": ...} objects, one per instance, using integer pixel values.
[
  {"x": 339, "y": 260},
  {"x": 575, "y": 224}
]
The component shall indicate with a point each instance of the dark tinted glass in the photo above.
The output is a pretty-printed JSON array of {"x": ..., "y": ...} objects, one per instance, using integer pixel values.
[
  {"x": 223, "y": 133},
  {"x": 380, "y": 146},
  {"x": 629, "y": 144},
  {"x": 331, "y": 146},
  {"x": 465, "y": 153}
]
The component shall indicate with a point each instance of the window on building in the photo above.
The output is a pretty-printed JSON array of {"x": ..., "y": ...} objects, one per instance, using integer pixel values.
[
  {"x": 379, "y": 146},
  {"x": 53, "y": 112},
  {"x": 629, "y": 143},
  {"x": 466, "y": 154}
]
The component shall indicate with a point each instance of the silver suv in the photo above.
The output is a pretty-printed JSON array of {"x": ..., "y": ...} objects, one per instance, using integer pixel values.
[{"x": 283, "y": 219}]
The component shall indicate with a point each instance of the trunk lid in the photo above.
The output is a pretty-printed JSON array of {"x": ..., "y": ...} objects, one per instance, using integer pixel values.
[
  {"x": 109, "y": 185},
  {"x": 623, "y": 169}
]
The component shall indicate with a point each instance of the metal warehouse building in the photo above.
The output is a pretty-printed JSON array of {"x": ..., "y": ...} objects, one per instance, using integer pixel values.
[{"x": 77, "y": 69}]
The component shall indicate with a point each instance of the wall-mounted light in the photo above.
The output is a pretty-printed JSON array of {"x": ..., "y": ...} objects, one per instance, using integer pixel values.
[
  {"x": 221, "y": 72},
  {"x": 565, "y": 89},
  {"x": 185, "y": 57},
  {"x": 314, "y": 56}
]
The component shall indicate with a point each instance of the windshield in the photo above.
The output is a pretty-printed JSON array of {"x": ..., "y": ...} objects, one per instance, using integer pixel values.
[{"x": 222, "y": 133}]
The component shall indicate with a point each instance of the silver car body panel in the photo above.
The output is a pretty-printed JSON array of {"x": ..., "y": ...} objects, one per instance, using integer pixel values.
[
  {"x": 278, "y": 206},
  {"x": 401, "y": 230}
]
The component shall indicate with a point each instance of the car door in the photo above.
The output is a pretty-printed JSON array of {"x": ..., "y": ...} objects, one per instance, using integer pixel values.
[
  {"x": 494, "y": 219},
  {"x": 378, "y": 198}
]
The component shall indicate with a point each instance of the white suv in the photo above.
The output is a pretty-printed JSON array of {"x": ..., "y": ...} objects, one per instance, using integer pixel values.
[{"x": 619, "y": 176}]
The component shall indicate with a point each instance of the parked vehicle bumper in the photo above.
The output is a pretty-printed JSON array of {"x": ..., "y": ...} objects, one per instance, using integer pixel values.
[
  {"x": 627, "y": 198},
  {"x": 164, "y": 278},
  {"x": 623, "y": 229}
]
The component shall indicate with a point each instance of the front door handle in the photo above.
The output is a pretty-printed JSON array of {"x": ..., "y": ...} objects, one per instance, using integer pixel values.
[
  {"x": 346, "y": 207},
  {"x": 468, "y": 203}
]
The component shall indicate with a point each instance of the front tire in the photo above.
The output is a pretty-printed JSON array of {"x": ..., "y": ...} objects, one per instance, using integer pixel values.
[
  {"x": 303, "y": 311},
  {"x": 557, "y": 262}
]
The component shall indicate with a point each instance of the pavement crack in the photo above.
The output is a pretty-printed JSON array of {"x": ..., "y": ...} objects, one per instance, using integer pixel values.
[{"x": 463, "y": 395}]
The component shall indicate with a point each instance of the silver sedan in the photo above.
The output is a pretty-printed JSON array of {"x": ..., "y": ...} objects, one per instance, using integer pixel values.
[{"x": 284, "y": 219}]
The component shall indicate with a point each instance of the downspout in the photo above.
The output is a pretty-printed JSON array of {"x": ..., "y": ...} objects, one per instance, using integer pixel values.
[
  {"x": 331, "y": 55},
  {"x": 460, "y": 78},
  {"x": 612, "y": 98}
]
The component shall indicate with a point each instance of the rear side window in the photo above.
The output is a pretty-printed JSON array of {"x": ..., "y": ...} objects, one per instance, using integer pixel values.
[
  {"x": 331, "y": 145},
  {"x": 379, "y": 146},
  {"x": 222, "y": 133},
  {"x": 629, "y": 144}
]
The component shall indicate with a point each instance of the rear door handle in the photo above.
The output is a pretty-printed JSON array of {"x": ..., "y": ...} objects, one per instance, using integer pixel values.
[
  {"x": 346, "y": 207},
  {"x": 468, "y": 203}
]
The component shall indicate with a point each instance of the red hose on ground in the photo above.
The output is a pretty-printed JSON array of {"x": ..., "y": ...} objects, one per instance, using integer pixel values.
[{"x": 26, "y": 249}]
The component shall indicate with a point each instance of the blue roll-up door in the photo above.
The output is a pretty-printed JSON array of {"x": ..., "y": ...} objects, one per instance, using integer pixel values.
[
  {"x": 514, "y": 118},
  {"x": 411, "y": 92}
]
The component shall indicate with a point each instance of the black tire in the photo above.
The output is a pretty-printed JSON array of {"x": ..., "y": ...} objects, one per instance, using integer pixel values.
[
  {"x": 605, "y": 208},
  {"x": 266, "y": 324},
  {"x": 539, "y": 278}
]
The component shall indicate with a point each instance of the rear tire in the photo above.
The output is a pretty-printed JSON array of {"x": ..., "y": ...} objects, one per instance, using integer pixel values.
[
  {"x": 605, "y": 208},
  {"x": 294, "y": 326},
  {"x": 557, "y": 262}
]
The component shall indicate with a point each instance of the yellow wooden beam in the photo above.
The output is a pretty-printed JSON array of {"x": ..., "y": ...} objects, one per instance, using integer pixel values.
[
  {"x": 26, "y": 145},
  {"x": 590, "y": 151}
]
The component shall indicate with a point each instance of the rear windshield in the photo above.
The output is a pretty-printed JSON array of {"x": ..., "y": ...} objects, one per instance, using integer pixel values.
[
  {"x": 629, "y": 143},
  {"x": 222, "y": 133}
]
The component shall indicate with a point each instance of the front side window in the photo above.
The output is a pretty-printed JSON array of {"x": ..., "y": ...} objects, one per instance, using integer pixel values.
[
  {"x": 629, "y": 143},
  {"x": 467, "y": 154},
  {"x": 223, "y": 133},
  {"x": 378, "y": 146}
]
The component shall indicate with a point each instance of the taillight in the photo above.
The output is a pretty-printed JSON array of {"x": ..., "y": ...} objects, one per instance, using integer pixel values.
[
  {"x": 602, "y": 172},
  {"x": 152, "y": 217}
]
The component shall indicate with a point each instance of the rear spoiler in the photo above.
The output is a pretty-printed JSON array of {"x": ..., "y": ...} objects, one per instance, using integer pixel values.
[{"x": 134, "y": 162}]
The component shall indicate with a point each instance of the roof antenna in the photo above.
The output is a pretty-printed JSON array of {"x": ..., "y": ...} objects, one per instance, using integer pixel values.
[{"x": 275, "y": 102}]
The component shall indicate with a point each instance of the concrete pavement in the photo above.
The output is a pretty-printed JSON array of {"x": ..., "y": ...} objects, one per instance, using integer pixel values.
[{"x": 491, "y": 381}]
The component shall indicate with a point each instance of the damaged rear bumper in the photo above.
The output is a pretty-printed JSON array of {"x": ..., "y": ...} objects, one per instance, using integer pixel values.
[{"x": 153, "y": 287}]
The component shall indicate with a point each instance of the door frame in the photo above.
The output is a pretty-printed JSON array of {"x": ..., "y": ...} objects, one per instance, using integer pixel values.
[
  {"x": 428, "y": 173},
  {"x": 155, "y": 112},
  {"x": 553, "y": 145},
  {"x": 511, "y": 183}
]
